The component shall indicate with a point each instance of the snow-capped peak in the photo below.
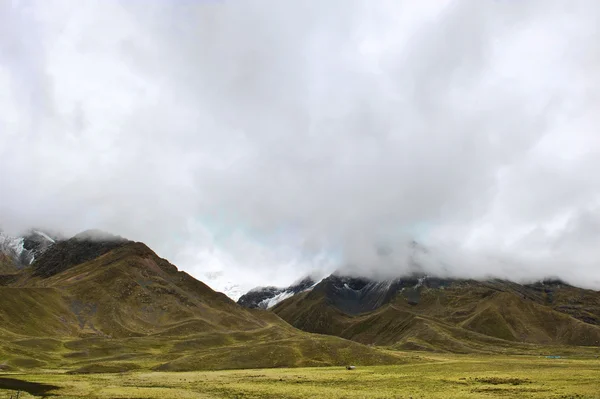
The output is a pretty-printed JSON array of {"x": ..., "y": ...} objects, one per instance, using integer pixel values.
[
  {"x": 270, "y": 302},
  {"x": 267, "y": 297},
  {"x": 15, "y": 248},
  {"x": 24, "y": 249}
]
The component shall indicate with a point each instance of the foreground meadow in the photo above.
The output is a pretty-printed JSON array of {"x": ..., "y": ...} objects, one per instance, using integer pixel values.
[{"x": 436, "y": 376}]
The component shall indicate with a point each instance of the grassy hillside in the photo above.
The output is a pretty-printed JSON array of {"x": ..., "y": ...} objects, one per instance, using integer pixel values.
[
  {"x": 271, "y": 346},
  {"x": 128, "y": 291},
  {"x": 460, "y": 316},
  {"x": 125, "y": 308},
  {"x": 7, "y": 265}
]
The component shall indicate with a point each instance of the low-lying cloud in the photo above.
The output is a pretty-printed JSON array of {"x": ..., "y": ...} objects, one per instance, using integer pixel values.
[{"x": 254, "y": 142}]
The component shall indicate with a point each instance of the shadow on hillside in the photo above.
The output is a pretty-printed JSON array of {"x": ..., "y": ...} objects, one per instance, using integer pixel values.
[{"x": 32, "y": 388}]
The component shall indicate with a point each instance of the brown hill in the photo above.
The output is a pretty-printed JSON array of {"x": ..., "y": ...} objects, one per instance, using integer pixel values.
[
  {"x": 7, "y": 264},
  {"x": 92, "y": 304}
]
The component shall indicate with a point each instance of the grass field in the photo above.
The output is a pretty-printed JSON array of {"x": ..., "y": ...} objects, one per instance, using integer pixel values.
[{"x": 426, "y": 376}]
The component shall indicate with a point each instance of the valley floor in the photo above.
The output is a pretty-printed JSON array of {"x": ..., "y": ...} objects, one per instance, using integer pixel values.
[{"x": 428, "y": 376}]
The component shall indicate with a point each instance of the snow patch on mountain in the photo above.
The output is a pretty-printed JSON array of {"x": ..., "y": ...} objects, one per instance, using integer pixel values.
[
  {"x": 233, "y": 291},
  {"x": 420, "y": 281},
  {"x": 220, "y": 282},
  {"x": 15, "y": 248},
  {"x": 270, "y": 302},
  {"x": 267, "y": 297},
  {"x": 46, "y": 236},
  {"x": 24, "y": 249}
]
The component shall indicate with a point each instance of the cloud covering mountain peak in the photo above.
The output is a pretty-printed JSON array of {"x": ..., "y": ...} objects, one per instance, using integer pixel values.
[{"x": 266, "y": 142}]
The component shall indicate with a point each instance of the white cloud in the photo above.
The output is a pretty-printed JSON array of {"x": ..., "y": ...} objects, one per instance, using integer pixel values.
[{"x": 258, "y": 141}]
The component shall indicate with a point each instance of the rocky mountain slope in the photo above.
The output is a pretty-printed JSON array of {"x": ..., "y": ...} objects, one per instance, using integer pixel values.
[
  {"x": 21, "y": 251},
  {"x": 97, "y": 302},
  {"x": 267, "y": 297},
  {"x": 428, "y": 313}
]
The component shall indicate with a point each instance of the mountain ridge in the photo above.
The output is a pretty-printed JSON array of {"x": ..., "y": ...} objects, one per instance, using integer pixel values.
[
  {"x": 420, "y": 311},
  {"x": 89, "y": 304}
]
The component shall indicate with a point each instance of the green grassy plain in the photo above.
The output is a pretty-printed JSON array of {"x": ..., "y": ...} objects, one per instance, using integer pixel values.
[{"x": 423, "y": 376}]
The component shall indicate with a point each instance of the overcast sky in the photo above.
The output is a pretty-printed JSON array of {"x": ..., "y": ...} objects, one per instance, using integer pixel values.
[{"x": 253, "y": 142}]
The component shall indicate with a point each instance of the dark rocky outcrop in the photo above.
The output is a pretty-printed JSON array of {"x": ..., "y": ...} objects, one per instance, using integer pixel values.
[{"x": 79, "y": 249}]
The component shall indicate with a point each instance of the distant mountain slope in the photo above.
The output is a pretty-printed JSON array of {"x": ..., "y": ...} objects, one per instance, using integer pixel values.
[
  {"x": 444, "y": 314},
  {"x": 267, "y": 297},
  {"x": 98, "y": 300},
  {"x": 23, "y": 250}
]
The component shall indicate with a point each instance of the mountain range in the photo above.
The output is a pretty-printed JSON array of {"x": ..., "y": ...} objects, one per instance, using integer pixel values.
[
  {"x": 435, "y": 314},
  {"x": 97, "y": 302}
]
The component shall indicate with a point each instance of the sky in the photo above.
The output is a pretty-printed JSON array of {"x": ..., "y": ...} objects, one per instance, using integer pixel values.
[{"x": 255, "y": 142}]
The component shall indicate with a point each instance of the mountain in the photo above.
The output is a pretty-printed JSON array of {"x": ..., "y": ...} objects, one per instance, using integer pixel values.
[
  {"x": 267, "y": 297},
  {"x": 23, "y": 250},
  {"x": 428, "y": 313},
  {"x": 97, "y": 302},
  {"x": 7, "y": 264},
  {"x": 221, "y": 282}
]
